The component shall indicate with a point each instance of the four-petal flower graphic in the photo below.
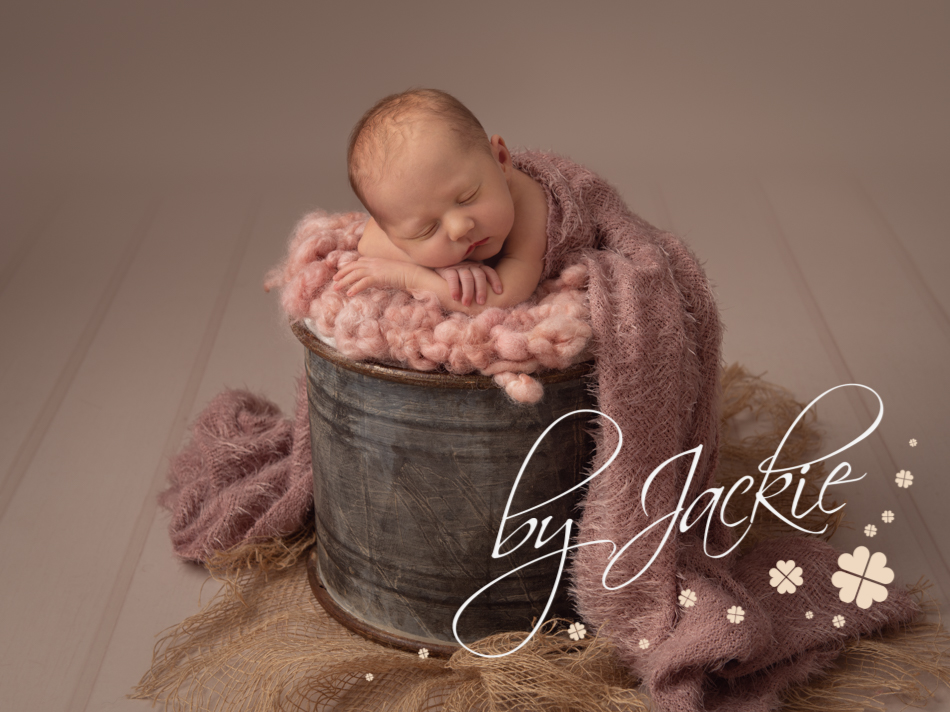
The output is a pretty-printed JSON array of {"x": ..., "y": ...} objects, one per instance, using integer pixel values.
[
  {"x": 904, "y": 479},
  {"x": 644, "y": 643},
  {"x": 735, "y": 614},
  {"x": 786, "y": 577},
  {"x": 368, "y": 676},
  {"x": 888, "y": 516},
  {"x": 838, "y": 621},
  {"x": 577, "y": 631},
  {"x": 423, "y": 653},
  {"x": 870, "y": 530},
  {"x": 809, "y": 615},
  {"x": 687, "y": 598},
  {"x": 913, "y": 442},
  {"x": 862, "y": 577}
]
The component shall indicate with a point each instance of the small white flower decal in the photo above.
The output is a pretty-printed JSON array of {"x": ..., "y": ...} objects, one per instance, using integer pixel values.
[
  {"x": 577, "y": 631},
  {"x": 785, "y": 576},
  {"x": 913, "y": 442},
  {"x": 735, "y": 614},
  {"x": 423, "y": 653},
  {"x": 862, "y": 577},
  {"x": 838, "y": 621},
  {"x": 644, "y": 643},
  {"x": 368, "y": 676},
  {"x": 887, "y": 516},
  {"x": 687, "y": 598},
  {"x": 809, "y": 615},
  {"x": 904, "y": 479},
  {"x": 870, "y": 530}
]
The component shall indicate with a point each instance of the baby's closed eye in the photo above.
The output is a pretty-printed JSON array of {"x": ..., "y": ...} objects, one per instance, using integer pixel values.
[{"x": 426, "y": 232}]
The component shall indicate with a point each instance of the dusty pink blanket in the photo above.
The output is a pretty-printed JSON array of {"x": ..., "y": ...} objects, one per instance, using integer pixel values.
[
  {"x": 245, "y": 474},
  {"x": 656, "y": 338}
]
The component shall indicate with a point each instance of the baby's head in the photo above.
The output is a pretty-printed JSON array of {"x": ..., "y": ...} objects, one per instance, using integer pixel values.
[
  {"x": 392, "y": 123},
  {"x": 424, "y": 168}
]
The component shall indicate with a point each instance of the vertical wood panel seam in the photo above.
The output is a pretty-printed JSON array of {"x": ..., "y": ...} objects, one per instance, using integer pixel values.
[
  {"x": 843, "y": 372},
  {"x": 41, "y": 424},
  {"x": 906, "y": 262},
  {"x": 96, "y": 653}
]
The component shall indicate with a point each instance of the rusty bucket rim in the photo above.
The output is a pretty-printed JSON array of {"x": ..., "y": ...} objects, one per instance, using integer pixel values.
[{"x": 432, "y": 379}]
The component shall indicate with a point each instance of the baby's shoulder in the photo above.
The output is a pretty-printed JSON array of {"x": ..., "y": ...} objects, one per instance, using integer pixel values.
[{"x": 529, "y": 232}]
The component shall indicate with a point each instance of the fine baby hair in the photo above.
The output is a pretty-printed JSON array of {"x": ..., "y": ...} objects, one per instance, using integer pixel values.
[{"x": 379, "y": 128}]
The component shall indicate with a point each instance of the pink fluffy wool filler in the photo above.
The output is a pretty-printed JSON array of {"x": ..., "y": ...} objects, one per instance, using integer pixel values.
[
  {"x": 551, "y": 331},
  {"x": 649, "y": 318}
]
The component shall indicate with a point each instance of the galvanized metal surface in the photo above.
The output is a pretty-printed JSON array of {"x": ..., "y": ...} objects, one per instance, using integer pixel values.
[{"x": 411, "y": 482}]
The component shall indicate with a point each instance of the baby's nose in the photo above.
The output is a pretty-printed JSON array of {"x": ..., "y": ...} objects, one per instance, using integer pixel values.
[{"x": 459, "y": 228}]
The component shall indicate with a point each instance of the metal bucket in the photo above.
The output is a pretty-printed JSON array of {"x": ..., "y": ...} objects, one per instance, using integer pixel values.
[{"x": 412, "y": 472}]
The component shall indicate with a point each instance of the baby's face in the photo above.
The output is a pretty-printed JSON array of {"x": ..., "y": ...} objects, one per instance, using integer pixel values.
[{"x": 441, "y": 203}]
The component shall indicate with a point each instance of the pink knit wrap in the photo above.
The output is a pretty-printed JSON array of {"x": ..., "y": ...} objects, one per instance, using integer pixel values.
[{"x": 654, "y": 329}]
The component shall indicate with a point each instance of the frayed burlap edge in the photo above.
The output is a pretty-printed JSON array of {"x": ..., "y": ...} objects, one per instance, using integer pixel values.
[{"x": 263, "y": 644}]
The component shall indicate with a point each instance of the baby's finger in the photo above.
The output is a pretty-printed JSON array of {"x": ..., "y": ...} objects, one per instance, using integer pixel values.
[
  {"x": 452, "y": 277},
  {"x": 342, "y": 278},
  {"x": 493, "y": 279},
  {"x": 348, "y": 270},
  {"x": 480, "y": 285},
  {"x": 360, "y": 285},
  {"x": 468, "y": 286},
  {"x": 364, "y": 283},
  {"x": 349, "y": 279}
]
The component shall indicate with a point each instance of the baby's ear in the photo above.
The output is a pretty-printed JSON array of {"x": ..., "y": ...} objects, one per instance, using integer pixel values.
[{"x": 501, "y": 153}]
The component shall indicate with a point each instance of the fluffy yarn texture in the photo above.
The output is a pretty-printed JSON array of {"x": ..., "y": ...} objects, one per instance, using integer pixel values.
[
  {"x": 549, "y": 331},
  {"x": 245, "y": 475}
]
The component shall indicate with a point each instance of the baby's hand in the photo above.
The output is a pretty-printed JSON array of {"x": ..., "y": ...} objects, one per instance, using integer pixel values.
[
  {"x": 366, "y": 272},
  {"x": 470, "y": 278}
]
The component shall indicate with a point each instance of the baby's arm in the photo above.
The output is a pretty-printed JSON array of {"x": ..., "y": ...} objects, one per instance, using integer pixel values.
[
  {"x": 380, "y": 272},
  {"x": 520, "y": 271},
  {"x": 382, "y": 264},
  {"x": 367, "y": 272},
  {"x": 375, "y": 243}
]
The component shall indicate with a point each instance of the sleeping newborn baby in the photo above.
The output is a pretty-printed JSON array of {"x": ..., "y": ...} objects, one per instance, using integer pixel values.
[{"x": 450, "y": 213}]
